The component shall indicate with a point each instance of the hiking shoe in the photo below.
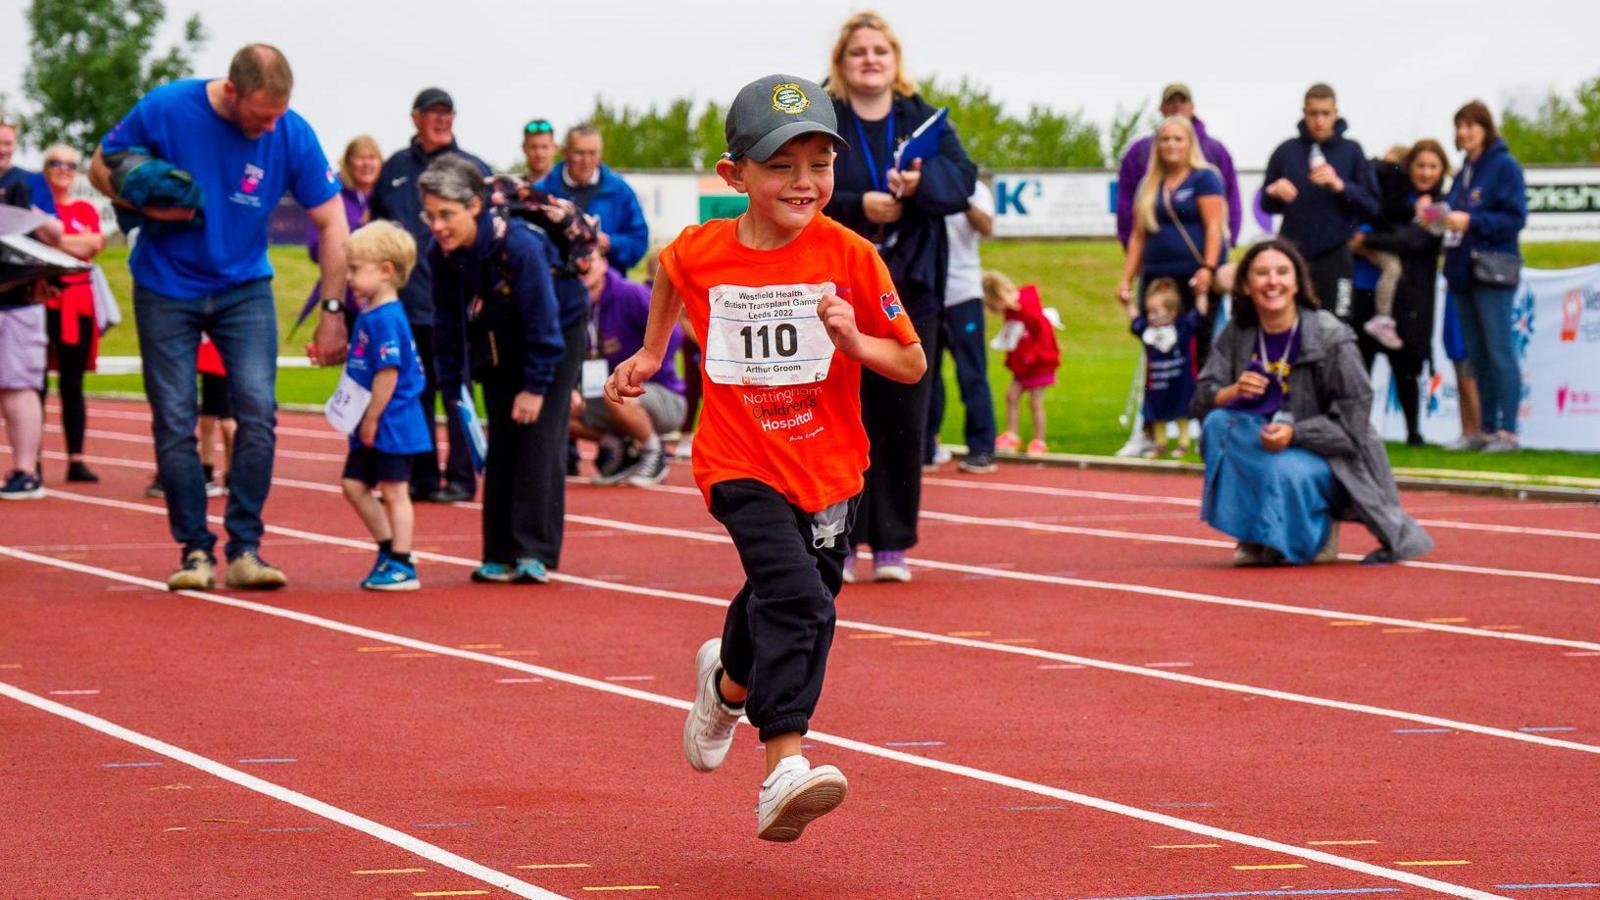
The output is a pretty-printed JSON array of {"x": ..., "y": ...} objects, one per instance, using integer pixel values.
[
  {"x": 1383, "y": 330},
  {"x": 1247, "y": 555},
  {"x": 494, "y": 573},
  {"x": 795, "y": 794},
  {"x": 530, "y": 571},
  {"x": 249, "y": 572},
  {"x": 154, "y": 491},
  {"x": 391, "y": 574},
  {"x": 708, "y": 732},
  {"x": 978, "y": 464},
  {"x": 1008, "y": 441},
  {"x": 890, "y": 565},
  {"x": 651, "y": 469},
  {"x": 198, "y": 572},
  {"x": 77, "y": 471},
  {"x": 1037, "y": 447},
  {"x": 22, "y": 485},
  {"x": 1330, "y": 547}
]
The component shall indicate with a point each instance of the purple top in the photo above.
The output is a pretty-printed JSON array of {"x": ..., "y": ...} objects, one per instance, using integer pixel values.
[
  {"x": 618, "y": 324},
  {"x": 1137, "y": 161},
  {"x": 355, "y": 212},
  {"x": 1281, "y": 352}
]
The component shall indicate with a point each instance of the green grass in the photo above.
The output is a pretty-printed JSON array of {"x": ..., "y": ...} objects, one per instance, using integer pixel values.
[{"x": 1076, "y": 277}]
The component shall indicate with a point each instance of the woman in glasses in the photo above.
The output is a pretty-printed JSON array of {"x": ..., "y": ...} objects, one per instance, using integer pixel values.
[{"x": 70, "y": 318}]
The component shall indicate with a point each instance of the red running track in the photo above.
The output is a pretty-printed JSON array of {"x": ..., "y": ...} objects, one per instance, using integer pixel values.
[{"x": 481, "y": 761}]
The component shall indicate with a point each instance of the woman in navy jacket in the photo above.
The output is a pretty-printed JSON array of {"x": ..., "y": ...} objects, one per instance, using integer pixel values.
[
  {"x": 499, "y": 319},
  {"x": 1482, "y": 262},
  {"x": 902, "y": 212}
]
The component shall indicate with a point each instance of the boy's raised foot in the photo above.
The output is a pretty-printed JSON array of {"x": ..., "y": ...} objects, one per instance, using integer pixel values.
[
  {"x": 795, "y": 794},
  {"x": 708, "y": 732}
]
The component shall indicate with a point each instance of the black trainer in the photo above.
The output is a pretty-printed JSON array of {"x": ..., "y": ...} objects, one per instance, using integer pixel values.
[
  {"x": 650, "y": 469},
  {"x": 77, "y": 471},
  {"x": 978, "y": 463}
]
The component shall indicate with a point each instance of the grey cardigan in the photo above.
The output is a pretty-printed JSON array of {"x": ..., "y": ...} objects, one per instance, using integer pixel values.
[{"x": 1330, "y": 397}]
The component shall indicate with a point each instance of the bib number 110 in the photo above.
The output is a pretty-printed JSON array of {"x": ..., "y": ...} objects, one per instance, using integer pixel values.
[{"x": 785, "y": 339}]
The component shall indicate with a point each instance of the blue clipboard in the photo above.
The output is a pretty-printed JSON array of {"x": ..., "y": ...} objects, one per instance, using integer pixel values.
[
  {"x": 477, "y": 437},
  {"x": 924, "y": 142}
]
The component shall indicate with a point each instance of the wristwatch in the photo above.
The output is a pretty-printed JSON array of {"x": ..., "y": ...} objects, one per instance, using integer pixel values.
[{"x": 333, "y": 305}]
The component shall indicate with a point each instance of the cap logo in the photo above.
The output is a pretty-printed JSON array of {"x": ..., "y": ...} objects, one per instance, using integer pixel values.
[{"x": 788, "y": 98}]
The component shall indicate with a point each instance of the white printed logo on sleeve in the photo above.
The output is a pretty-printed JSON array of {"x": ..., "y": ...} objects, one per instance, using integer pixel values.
[{"x": 767, "y": 336}]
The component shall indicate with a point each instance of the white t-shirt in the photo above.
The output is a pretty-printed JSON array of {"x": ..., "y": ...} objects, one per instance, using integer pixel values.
[{"x": 965, "y": 281}]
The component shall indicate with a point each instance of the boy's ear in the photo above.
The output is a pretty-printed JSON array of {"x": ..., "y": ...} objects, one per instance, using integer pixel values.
[{"x": 729, "y": 170}]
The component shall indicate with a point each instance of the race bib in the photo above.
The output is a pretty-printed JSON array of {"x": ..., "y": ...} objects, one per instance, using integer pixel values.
[
  {"x": 594, "y": 378},
  {"x": 347, "y": 405},
  {"x": 767, "y": 336}
]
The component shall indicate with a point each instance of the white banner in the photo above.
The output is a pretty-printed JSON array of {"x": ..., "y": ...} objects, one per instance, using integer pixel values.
[{"x": 1556, "y": 333}]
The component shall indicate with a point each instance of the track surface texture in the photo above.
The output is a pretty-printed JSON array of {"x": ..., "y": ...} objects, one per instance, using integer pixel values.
[{"x": 1076, "y": 697}]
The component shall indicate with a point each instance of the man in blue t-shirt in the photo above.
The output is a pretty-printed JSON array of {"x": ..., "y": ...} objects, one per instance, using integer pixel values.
[{"x": 208, "y": 272}]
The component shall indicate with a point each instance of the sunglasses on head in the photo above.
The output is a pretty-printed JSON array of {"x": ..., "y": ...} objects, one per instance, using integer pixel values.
[{"x": 538, "y": 126}]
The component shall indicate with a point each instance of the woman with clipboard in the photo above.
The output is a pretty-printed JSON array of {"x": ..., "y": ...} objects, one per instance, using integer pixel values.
[{"x": 903, "y": 172}]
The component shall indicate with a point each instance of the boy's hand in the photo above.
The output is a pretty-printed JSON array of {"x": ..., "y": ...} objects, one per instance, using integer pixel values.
[
  {"x": 629, "y": 377},
  {"x": 839, "y": 317},
  {"x": 368, "y": 432}
]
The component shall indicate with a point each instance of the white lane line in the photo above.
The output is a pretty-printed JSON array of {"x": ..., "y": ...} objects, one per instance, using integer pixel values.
[
  {"x": 862, "y": 747},
  {"x": 717, "y": 537},
  {"x": 316, "y": 807},
  {"x": 991, "y": 646},
  {"x": 102, "y": 412},
  {"x": 1121, "y": 497},
  {"x": 146, "y": 440},
  {"x": 1150, "y": 537}
]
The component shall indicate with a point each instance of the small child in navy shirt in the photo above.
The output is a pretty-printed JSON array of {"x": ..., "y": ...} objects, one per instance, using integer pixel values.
[
  {"x": 393, "y": 429},
  {"x": 1168, "y": 335}
]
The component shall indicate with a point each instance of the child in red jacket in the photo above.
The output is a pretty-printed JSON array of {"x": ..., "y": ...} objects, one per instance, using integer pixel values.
[{"x": 1032, "y": 355}]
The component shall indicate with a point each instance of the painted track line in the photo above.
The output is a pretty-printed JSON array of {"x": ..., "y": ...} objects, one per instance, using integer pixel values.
[
  {"x": 1061, "y": 580},
  {"x": 990, "y": 646},
  {"x": 430, "y": 852},
  {"x": 969, "y": 772}
]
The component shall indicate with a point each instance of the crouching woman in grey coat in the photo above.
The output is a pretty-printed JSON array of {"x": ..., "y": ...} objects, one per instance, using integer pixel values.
[{"x": 1288, "y": 444}]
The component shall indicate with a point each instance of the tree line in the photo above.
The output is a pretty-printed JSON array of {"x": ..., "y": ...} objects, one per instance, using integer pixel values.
[{"x": 89, "y": 61}]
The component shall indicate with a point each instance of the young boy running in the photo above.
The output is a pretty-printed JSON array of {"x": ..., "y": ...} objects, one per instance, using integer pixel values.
[
  {"x": 383, "y": 360},
  {"x": 788, "y": 306}
]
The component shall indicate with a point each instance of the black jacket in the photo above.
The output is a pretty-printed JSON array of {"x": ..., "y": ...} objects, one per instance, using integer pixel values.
[
  {"x": 1320, "y": 220},
  {"x": 1418, "y": 248},
  {"x": 395, "y": 197},
  {"x": 915, "y": 248},
  {"x": 495, "y": 310}
]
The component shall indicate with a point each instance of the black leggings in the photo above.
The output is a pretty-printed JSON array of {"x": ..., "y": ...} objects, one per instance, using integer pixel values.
[
  {"x": 71, "y": 362},
  {"x": 896, "y": 420}
]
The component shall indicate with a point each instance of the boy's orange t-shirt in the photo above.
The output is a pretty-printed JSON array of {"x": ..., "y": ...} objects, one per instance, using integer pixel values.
[{"x": 781, "y": 404}]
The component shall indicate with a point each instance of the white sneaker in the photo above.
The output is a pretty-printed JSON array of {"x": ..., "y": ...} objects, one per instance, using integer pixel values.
[
  {"x": 793, "y": 795},
  {"x": 708, "y": 732}
]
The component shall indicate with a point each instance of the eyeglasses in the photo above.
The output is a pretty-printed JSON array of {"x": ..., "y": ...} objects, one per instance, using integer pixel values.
[
  {"x": 444, "y": 216},
  {"x": 61, "y": 164},
  {"x": 538, "y": 126}
]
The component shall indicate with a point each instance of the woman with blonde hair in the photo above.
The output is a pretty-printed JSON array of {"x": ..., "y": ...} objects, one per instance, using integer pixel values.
[
  {"x": 1180, "y": 217},
  {"x": 902, "y": 211},
  {"x": 358, "y": 174}
]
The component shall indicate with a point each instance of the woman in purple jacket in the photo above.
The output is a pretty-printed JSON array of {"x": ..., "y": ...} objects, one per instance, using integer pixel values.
[{"x": 358, "y": 173}]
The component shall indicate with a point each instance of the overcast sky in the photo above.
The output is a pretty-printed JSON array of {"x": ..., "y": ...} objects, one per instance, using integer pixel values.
[{"x": 1401, "y": 67}]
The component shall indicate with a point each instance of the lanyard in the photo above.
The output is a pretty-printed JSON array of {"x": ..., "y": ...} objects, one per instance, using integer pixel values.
[
  {"x": 880, "y": 175},
  {"x": 1288, "y": 346}
]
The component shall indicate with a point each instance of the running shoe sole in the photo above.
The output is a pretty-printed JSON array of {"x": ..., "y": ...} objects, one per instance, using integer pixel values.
[
  {"x": 411, "y": 584},
  {"x": 816, "y": 795}
]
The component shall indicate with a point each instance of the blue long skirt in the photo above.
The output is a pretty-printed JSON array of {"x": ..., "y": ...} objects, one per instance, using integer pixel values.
[{"x": 1280, "y": 500}]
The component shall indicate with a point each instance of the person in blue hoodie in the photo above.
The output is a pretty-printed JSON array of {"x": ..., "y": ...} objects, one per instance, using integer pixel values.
[
  {"x": 1482, "y": 265},
  {"x": 1324, "y": 187},
  {"x": 500, "y": 319},
  {"x": 582, "y": 178}
]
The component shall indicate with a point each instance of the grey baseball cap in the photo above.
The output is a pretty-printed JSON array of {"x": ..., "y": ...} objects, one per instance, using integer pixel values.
[{"x": 773, "y": 110}]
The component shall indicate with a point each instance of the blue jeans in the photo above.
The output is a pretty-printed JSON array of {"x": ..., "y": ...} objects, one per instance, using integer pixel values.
[
  {"x": 243, "y": 322},
  {"x": 1485, "y": 314},
  {"x": 961, "y": 330}
]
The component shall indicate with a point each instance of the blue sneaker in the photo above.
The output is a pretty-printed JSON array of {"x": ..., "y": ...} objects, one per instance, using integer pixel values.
[
  {"x": 498, "y": 573},
  {"x": 392, "y": 575},
  {"x": 530, "y": 571}
]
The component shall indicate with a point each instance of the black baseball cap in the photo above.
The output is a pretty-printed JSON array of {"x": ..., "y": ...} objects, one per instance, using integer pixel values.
[
  {"x": 431, "y": 97},
  {"x": 773, "y": 110}
]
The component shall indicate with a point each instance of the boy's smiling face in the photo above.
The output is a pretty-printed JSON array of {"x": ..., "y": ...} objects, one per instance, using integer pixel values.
[{"x": 791, "y": 186}]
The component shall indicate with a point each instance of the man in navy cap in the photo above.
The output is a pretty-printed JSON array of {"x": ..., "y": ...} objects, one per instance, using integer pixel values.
[{"x": 395, "y": 198}]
